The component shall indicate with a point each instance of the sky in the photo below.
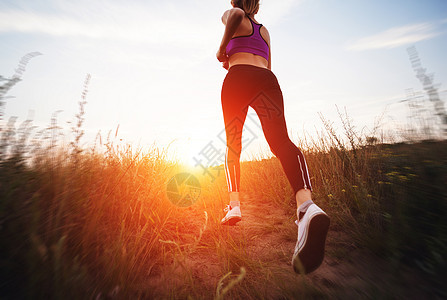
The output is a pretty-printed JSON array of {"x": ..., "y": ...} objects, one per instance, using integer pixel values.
[{"x": 155, "y": 75}]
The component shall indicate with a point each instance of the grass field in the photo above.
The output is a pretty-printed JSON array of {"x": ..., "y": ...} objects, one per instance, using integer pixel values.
[{"x": 97, "y": 223}]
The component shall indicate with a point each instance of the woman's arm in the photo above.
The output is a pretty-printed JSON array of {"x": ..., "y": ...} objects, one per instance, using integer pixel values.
[
  {"x": 269, "y": 66},
  {"x": 232, "y": 19}
]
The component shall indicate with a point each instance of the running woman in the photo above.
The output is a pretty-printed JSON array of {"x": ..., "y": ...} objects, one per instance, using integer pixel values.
[{"x": 245, "y": 52}]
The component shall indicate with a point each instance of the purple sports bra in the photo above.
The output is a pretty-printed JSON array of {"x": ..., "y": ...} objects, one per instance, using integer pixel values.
[{"x": 253, "y": 43}]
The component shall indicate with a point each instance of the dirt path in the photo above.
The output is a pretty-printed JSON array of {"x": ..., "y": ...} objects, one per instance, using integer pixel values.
[{"x": 263, "y": 244}]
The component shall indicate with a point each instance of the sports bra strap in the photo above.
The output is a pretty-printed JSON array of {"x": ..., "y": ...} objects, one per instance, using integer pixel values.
[{"x": 253, "y": 43}]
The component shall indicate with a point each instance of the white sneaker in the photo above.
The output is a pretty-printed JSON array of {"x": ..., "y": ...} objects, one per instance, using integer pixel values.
[
  {"x": 309, "y": 248},
  {"x": 233, "y": 214}
]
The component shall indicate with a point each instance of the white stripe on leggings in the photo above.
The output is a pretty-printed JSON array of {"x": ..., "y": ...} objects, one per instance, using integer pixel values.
[
  {"x": 302, "y": 172},
  {"x": 227, "y": 171},
  {"x": 307, "y": 172}
]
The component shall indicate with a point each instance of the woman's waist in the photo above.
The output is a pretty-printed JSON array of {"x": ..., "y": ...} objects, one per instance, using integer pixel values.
[{"x": 243, "y": 58}]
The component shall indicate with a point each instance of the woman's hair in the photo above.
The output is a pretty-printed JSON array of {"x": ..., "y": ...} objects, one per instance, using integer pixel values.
[{"x": 248, "y": 6}]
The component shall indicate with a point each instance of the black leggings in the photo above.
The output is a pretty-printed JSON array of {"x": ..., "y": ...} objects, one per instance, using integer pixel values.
[{"x": 249, "y": 86}]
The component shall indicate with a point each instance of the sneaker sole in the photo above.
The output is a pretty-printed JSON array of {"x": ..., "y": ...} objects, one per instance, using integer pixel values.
[
  {"x": 232, "y": 221},
  {"x": 312, "y": 254}
]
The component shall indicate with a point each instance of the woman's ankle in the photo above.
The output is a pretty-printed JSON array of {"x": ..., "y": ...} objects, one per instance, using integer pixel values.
[
  {"x": 234, "y": 199},
  {"x": 302, "y": 196}
]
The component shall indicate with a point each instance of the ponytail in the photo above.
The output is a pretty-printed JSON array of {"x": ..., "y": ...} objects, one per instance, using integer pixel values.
[{"x": 250, "y": 7}]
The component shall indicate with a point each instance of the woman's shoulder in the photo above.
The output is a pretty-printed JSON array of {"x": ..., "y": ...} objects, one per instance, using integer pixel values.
[
  {"x": 235, "y": 11},
  {"x": 265, "y": 33}
]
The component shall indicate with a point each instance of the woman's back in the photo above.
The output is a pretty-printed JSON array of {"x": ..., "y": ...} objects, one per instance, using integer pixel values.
[
  {"x": 250, "y": 42},
  {"x": 245, "y": 28}
]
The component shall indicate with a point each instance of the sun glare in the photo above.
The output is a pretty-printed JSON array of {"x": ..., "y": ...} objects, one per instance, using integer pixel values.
[{"x": 187, "y": 151}]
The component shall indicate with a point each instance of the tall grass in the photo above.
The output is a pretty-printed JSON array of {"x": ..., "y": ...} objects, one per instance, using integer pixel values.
[
  {"x": 97, "y": 223},
  {"x": 77, "y": 221}
]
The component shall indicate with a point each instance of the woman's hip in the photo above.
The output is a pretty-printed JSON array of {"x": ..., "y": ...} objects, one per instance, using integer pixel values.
[{"x": 242, "y": 79}]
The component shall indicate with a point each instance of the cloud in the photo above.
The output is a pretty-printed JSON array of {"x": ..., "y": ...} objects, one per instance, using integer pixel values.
[
  {"x": 140, "y": 23},
  {"x": 165, "y": 35},
  {"x": 189, "y": 22},
  {"x": 27, "y": 22},
  {"x": 395, "y": 37}
]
